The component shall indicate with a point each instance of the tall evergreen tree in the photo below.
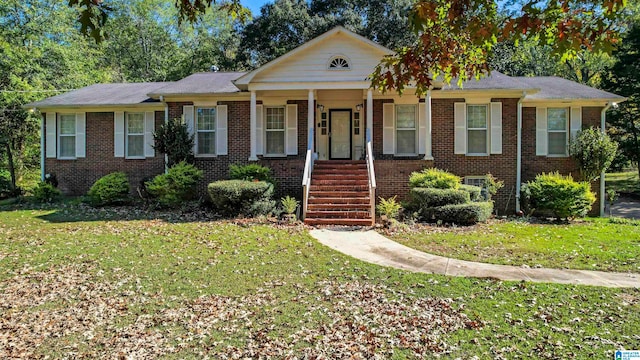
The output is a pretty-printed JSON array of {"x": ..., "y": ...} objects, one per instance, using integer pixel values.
[{"x": 624, "y": 79}]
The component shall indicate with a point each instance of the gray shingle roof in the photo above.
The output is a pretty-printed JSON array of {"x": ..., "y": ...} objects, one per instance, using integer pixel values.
[
  {"x": 201, "y": 83},
  {"x": 102, "y": 95},
  {"x": 495, "y": 81},
  {"x": 556, "y": 88}
]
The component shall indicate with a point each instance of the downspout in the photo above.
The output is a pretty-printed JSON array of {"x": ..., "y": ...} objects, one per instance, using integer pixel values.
[
  {"x": 603, "y": 124},
  {"x": 166, "y": 121},
  {"x": 519, "y": 152},
  {"x": 42, "y": 149}
]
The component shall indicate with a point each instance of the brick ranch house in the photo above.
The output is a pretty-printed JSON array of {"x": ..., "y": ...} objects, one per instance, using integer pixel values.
[{"x": 308, "y": 111}]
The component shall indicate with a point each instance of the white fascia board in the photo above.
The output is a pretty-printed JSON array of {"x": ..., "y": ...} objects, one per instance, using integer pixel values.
[{"x": 310, "y": 85}]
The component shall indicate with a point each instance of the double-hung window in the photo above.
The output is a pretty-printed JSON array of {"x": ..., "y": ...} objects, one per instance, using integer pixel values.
[
  {"x": 206, "y": 131},
  {"x": 406, "y": 132},
  {"x": 135, "y": 135},
  {"x": 275, "y": 131},
  {"x": 557, "y": 121},
  {"x": 477, "y": 129},
  {"x": 67, "y": 136}
]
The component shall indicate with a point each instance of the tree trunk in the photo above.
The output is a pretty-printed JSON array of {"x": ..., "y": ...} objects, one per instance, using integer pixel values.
[{"x": 12, "y": 169}]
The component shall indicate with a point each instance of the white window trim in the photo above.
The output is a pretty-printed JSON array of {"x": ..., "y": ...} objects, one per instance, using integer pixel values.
[
  {"x": 415, "y": 130},
  {"x": 126, "y": 136},
  {"x": 283, "y": 130},
  {"x": 59, "y": 135},
  {"x": 486, "y": 128},
  {"x": 335, "y": 57},
  {"x": 566, "y": 132},
  {"x": 195, "y": 126},
  {"x": 474, "y": 177}
]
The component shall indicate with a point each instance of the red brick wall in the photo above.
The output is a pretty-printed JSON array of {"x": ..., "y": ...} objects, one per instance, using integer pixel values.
[
  {"x": 287, "y": 170},
  {"x": 392, "y": 176},
  {"x": 75, "y": 177},
  {"x": 533, "y": 164}
]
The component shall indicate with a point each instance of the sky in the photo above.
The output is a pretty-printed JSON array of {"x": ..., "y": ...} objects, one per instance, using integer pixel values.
[{"x": 254, "y": 5}]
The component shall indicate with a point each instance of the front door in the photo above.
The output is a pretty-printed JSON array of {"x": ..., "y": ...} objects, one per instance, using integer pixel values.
[{"x": 340, "y": 134}]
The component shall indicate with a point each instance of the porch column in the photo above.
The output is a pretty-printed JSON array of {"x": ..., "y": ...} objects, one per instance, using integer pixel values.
[
  {"x": 427, "y": 107},
  {"x": 252, "y": 127},
  {"x": 311, "y": 111},
  {"x": 370, "y": 116}
]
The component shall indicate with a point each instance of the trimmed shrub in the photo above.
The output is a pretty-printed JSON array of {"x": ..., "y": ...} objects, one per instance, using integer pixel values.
[
  {"x": 475, "y": 192},
  {"x": 422, "y": 198},
  {"x": 176, "y": 186},
  {"x": 434, "y": 178},
  {"x": 241, "y": 197},
  {"x": 251, "y": 172},
  {"x": 559, "y": 196},
  {"x": 461, "y": 214},
  {"x": 45, "y": 192},
  {"x": 109, "y": 189}
]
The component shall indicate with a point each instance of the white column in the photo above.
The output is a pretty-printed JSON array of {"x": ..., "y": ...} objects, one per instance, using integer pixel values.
[
  {"x": 370, "y": 114},
  {"x": 427, "y": 107},
  {"x": 252, "y": 127},
  {"x": 311, "y": 111}
]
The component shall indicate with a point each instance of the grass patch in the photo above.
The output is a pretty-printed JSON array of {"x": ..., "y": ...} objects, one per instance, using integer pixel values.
[
  {"x": 624, "y": 182},
  {"x": 592, "y": 244},
  {"x": 180, "y": 286}
]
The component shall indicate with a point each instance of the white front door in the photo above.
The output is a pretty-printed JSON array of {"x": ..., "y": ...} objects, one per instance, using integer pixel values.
[{"x": 340, "y": 134}]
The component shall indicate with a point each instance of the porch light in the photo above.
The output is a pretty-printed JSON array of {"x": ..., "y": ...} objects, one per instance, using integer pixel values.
[
  {"x": 359, "y": 107},
  {"x": 320, "y": 107}
]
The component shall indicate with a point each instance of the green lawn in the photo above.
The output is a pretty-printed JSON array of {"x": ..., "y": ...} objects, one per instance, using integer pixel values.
[
  {"x": 83, "y": 283},
  {"x": 624, "y": 182},
  {"x": 592, "y": 244}
]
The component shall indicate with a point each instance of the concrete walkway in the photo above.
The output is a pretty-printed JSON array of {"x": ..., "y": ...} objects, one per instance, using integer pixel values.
[{"x": 372, "y": 247}]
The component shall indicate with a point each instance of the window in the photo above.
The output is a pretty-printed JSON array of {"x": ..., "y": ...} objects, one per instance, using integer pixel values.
[
  {"x": 557, "y": 131},
  {"x": 338, "y": 63},
  {"x": 67, "y": 136},
  {"x": 206, "y": 131},
  {"x": 477, "y": 129},
  {"x": 135, "y": 135},
  {"x": 275, "y": 131},
  {"x": 406, "y": 130},
  {"x": 475, "y": 180}
]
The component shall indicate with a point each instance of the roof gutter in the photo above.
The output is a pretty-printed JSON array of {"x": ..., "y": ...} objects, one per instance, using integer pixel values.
[
  {"x": 166, "y": 121},
  {"x": 519, "y": 152},
  {"x": 603, "y": 124}
]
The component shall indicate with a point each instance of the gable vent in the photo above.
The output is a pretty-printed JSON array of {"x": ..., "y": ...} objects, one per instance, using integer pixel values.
[{"x": 339, "y": 63}]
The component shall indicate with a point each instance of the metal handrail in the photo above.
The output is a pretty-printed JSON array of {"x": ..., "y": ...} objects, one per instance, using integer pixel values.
[
  {"x": 372, "y": 177},
  {"x": 306, "y": 175}
]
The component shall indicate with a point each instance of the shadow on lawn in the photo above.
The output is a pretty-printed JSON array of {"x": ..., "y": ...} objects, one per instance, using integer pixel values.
[{"x": 74, "y": 210}]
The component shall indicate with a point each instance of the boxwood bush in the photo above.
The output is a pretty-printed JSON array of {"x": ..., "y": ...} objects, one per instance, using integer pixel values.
[
  {"x": 241, "y": 197},
  {"x": 556, "y": 195},
  {"x": 45, "y": 192},
  {"x": 461, "y": 214},
  {"x": 109, "y": 189},
  {"x": 176, "y": 186},
  {"x": 422, "y": 198},
  {"x": 434, "y": 178},
  {"x": 475, "y": 192},
  {"x": 251, "y": 172}
]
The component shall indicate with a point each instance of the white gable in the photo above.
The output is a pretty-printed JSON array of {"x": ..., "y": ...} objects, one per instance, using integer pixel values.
[
  {"x": 310, "y": 62},
  {"x": 313, "y": 64}
]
